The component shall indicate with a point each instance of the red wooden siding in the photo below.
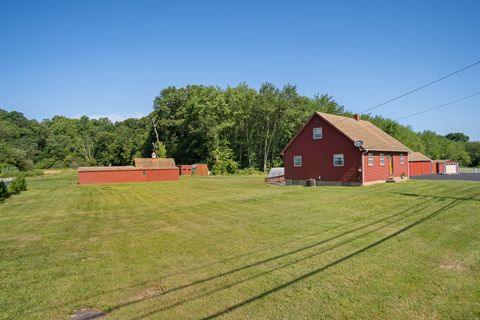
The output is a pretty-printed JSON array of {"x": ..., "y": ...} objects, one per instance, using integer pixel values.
[
  {"x": 381, "y": 173},
  {"x": 418, "y": 168},
  {"x": 317, "y": 155},
  {"x": 201, "y": 170},
  {"x": 128, "y": 175},
  {"x": 185, "y": 170},
  {"x": 440, "y": 166}
]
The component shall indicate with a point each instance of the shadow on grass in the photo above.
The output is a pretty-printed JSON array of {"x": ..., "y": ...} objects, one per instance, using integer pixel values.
[
  {"x": 219, "y": 262},
  {"x": 334, "y": 263},
  {"x": 277, "y": 257},
  {"x": 435, "y": 196},
  {"x": 309, "y": 274},
  {"x": 247, "y": 254}
]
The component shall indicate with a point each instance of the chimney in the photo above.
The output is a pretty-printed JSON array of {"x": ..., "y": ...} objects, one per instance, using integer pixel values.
[{"x": 356, "y": 117}]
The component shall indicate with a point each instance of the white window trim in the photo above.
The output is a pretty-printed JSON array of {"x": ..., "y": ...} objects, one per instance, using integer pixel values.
[
  {"x": 295, "y": 162},
  {"x": 402, "y": 158},
  {"x": 382, "y": 159},
  {"x": 343, "y": 160},
  {"x": 370, "y": 156},
  {"x": 321, "y": 133}
]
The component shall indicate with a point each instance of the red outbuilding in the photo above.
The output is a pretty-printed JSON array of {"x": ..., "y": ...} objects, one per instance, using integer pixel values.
[
  {"x": 160, "y": 169},
  {"x": 419, "y": 164},
  {"x": 200, "y": 169},
  {"x": 331, "y": 149},
  {"x": 185, "y": 169},
  {"x": 446, "y": 167},
  {"x": 193, "y": 169}
]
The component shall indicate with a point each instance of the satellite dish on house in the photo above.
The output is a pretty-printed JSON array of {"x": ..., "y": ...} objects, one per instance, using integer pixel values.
[{"x": 358, "y": 143}]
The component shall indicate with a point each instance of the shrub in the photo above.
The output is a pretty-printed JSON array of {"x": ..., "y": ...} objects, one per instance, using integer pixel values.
[
  {"x": 7, "y": 170},
  {"x": 45, "y": 164},
  {"x": 18, "y": 185},
  {"x": 225, "y": 163},
  {"x": 250, "y": 172},
  {"x": 227, "y": 166},
  {"x": 34, "y": 173},
  {"x": 3, "y": 191}
]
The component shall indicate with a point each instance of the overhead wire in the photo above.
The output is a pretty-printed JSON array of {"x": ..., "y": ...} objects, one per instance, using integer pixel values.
[
  {"x": 440, "y": 106},
  {"x": 418, "y": 88}
]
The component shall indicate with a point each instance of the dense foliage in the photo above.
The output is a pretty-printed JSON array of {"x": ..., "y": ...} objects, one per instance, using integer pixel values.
[
  {"x": 18, "y": 185},
  {"x": 15, "y": 186},
  {"x": 3, "y": 191},
  {"x": 230, "y": 129}
]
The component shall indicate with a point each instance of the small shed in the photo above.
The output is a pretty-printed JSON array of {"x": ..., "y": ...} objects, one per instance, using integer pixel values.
[
  {"x": 200, "y": 169},
  {"x": 185, "y": 169},
  {"x": 446, "y": 167},
  {"x": 276, "y": 172},
  {"x": 276, "y": 176},
  {"x": 419, "y": 164}
]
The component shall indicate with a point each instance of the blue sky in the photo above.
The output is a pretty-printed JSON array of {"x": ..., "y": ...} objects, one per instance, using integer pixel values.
[{"x": 113, "y": 57}]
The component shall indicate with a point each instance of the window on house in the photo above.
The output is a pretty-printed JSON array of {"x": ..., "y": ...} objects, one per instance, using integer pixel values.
[
  {"x": 297, "y": 161},
  {"x": 338, "y": 160},
  {"x": 402, "y": 159},
  {"x": 317, "y": 133},
  {"x": 382, "y": 159},
  {"x": 370, "y": 159}
]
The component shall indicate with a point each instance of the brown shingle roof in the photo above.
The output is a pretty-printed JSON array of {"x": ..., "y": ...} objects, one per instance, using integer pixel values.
[
  {"x": 112, "y": 168},
  {"x": 140, "y": 163},
  {"x": 373, "y": 137},
  {"x": 418, "y": 156},
  {"x": 154, "y": 163}
]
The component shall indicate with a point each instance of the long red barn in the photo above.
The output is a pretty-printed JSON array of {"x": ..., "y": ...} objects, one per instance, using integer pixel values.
[
  {"x": 161, "y": 169},
  {"x": 331, "y": 149}
]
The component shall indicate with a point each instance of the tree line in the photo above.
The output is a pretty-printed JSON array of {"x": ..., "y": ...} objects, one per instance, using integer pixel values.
[{"x": 231, "y": 129}]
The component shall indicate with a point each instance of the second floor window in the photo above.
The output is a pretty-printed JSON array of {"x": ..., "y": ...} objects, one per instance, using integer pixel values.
[{"x": 317, "y": 133}]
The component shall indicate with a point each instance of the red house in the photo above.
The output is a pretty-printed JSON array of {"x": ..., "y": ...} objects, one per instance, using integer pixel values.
[{"x": 331, "y": 149}]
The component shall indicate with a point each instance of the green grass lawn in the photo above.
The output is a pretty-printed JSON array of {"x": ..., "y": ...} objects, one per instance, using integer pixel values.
[{"x": 233, "y": 248}]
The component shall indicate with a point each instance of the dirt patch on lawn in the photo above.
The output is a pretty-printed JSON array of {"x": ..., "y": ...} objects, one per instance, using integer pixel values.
[
  {"x": 87, "y": 314},
  {"x": 51, "y": 171},
  {"x": 148, "y": 292},
  {"x": 451, "y": 264}
]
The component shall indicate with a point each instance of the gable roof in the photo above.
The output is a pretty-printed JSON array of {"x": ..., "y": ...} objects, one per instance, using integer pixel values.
[
  {"x": 374, "y": 139},
  {"x": 418, "y": 156},
  {"x": 444, "y": 161},
  {"x": 154, "y": 163}
]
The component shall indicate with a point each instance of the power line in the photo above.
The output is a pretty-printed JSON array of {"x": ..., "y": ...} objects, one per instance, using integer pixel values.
[
  {"x": 440, "y": 106},
  {"x": 421, "y": 87},
  {"x": 418, "y": 88}
]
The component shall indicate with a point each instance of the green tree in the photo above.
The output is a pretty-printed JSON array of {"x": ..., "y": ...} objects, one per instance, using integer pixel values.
[{"x": 457, "y": 136}]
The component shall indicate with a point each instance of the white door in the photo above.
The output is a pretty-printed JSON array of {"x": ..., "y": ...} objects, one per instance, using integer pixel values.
[{"x": 450, "y": 168}]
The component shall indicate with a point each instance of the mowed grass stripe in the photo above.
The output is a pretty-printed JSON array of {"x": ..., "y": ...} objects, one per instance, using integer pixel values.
[{"x": 132, "y": 242}]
